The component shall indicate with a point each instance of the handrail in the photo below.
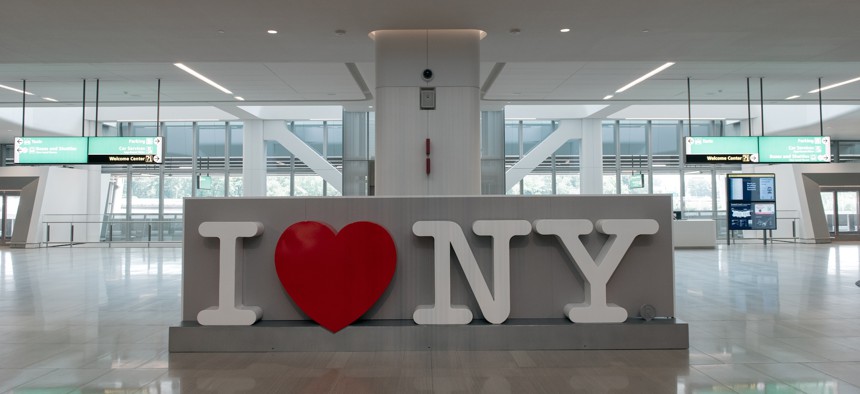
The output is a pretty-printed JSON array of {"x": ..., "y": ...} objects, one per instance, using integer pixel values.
[{"x": 62, "y": 231}]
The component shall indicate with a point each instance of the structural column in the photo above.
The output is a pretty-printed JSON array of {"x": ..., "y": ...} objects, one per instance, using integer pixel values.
[
  {"x": 591, "y": 157},
  {"x": 253, "y": 159},
  {"x": 452, "y": 125},
  {"x": 493, "y": 152},
  {"x": 356, "y": 155}
]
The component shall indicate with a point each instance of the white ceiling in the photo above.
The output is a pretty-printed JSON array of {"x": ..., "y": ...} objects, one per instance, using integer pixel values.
[{"x": 54, "y": 44}]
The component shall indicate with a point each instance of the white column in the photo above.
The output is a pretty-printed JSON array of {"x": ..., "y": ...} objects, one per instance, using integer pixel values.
[
  {"x": 402, "y": 127},
  {"x": 253, "y": 159},
  {"x": 96, "y": 200},
  {"x": 591, "y": 157}
]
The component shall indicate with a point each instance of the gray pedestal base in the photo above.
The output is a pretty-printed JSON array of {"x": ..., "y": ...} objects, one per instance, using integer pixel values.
[{"x": 401, "y": 335}]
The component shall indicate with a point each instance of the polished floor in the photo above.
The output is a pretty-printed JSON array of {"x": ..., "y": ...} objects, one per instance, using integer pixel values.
[{"x": 771, "y": 319}]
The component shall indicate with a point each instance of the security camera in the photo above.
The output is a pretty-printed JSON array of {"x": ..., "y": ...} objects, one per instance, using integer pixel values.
[{"x": 427, "y": 74}]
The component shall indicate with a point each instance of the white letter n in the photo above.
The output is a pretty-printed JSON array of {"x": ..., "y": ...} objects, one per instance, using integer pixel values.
[{"x": 447, "y": 235}]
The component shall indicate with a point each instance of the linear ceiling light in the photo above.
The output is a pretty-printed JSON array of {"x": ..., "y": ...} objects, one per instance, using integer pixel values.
[
  {"x": 646, "y": 76},
  {"x": 49, "y": 99},
  {"x": 792, "y": 97},
  {"x": 835, "y": 85},
  {"x": 608, "y": 96},
  {"x": 15, "y": 90},
  {"x": 202, "y": 78}
]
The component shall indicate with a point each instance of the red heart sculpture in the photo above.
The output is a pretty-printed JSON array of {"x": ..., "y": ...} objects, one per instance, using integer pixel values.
[{"x": 335, "y": 278}]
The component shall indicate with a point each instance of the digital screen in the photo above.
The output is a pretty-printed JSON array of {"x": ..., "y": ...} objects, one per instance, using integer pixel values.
[
  {"x": 637, "y": 181},
  {"x": 50, "y": 150},
  {"x": 125, "y": 150},
  {"x": 749, "y": 188},
  {"x": 752, "y": 201},
  {"x": 721, "y": 149},
  {"x": 794, "y": 149},
  {"x": 204, "y": 182}
]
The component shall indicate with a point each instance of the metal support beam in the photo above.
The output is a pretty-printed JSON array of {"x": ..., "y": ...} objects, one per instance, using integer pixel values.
[
  {"x": 566, "y": 131},
  {"x": 276, "y": 130}
]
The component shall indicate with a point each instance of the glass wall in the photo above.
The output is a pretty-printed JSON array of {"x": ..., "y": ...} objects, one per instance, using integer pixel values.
[{"x": 204, "y": 159}]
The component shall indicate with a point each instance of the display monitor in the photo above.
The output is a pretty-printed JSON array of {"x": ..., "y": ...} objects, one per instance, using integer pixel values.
[
  {"x": 204, "y": 182},
  {"x": 751, "y": 201}
]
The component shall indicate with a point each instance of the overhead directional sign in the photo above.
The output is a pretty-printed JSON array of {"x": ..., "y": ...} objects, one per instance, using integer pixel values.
[
  {"x": 721, "y": 149},
  {"x": 778, "y": 149},
  {"x": 125, "y": 150},
  {"x": 50, "y": 150},
  {"x": 89, "y": 150},
  {"x": 794, "y": 149}
]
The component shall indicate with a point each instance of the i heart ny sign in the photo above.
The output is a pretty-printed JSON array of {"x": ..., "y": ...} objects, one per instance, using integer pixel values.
[{"x": 336, "y": 276}]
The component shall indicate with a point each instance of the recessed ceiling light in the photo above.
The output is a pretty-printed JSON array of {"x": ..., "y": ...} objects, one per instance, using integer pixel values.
[
  {"x": 15, "y": 90},
  {"x": 49, "y": 99},
  {"x": 646, "y": 76},
  {"x": 645, "y": 30},
  {"x": 340, "y": 32},
  {"x": 835, "y": 85},
  {"x": 202, "y": 78},
  {"x": 565, "y": 30},
  {"x": 369, "y": 106},
  {"x": 220, "y": 31},
  {"x": 240, "y": 98},
  {"x": 270, "y": 31},
  {"x": 515, "y": 31},
  {"x": 608, "y": 96},
  {"x": 792, "y": 97}
]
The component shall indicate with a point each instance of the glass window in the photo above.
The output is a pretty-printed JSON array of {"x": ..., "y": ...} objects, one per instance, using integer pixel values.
[
  {"x": 537, "y": 184},
  {"x": 567, "y": 184},
  {"x": 236, "y": 136},
  {"x": 331, "y": 190},
  {"x": 847, "y": 210},
  {"x": 698, "y": 194},
  {"x": 278, "y": 185},
  {"x": 632, "y": 137},
  {"x": 534, "y": 133},
  {"x": 178, "y": 139},
  {"x": 335, "y": 139},
  {"x": 512, "y": 139},
  {"x": 109, "y": 129},
  {"x": 236, "y": 189},
  {"x": 145, "y": 191},
  {"x": 721, "y": 192},
  {"x": 669, "y": 183},
  {"x": 143, "y": 129},
  {"x": 118, "y": 209},
  {"x": 176, "y": 187},
  {"x": 311, "y": 133},
  {"x": 630, "y": 183},
  {"x": 308, "y": 185},
  {"x": 608, "y": 131},
  {"x": 849, "y": 151},
  {"x": 216, "y": 188},
  {"x": 665, "y": 139},
  {"x": 703, "y": 128},
  {"x": 211, "y": 139},
  {"x": 609, "y": 184}
]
